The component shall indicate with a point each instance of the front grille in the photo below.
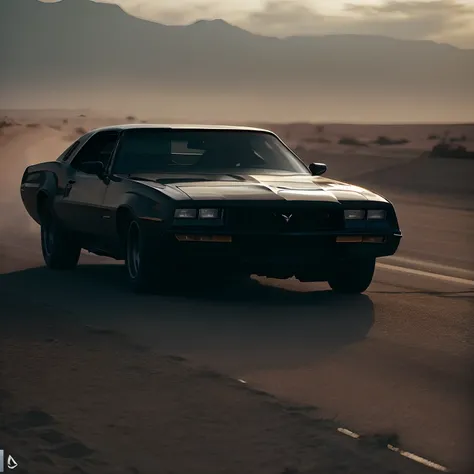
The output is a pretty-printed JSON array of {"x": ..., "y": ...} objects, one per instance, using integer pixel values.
[
  {"x": 282, "y": 245},
  {"x": 283, "y": 220}
]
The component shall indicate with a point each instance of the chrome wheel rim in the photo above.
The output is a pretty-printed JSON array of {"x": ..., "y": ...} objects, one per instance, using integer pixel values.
[{"x": 133, "y": 251}]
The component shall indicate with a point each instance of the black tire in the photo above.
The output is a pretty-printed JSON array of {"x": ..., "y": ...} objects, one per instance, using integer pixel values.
[
  {"x": 60, "y": 249},
  {"x": 352, "y": 276},
  {"x": 141, "y": 260}
]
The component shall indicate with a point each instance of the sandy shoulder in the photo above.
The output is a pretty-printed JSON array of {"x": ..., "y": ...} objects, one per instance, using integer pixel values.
[{"x": 82, "y": 400}]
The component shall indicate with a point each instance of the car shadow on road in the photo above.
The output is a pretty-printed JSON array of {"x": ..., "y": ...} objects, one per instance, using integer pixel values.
[{"x": 253, "y": 323}]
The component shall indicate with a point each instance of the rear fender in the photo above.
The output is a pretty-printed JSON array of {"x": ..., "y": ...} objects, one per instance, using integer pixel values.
[{"x": 39, "y": 187}]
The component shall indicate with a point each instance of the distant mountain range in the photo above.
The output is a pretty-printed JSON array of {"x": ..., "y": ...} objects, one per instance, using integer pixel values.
[{"x": 79, "y": 45}]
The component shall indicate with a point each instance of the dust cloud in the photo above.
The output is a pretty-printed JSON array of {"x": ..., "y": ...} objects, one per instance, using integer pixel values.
[{"x": 22, "y": 146}]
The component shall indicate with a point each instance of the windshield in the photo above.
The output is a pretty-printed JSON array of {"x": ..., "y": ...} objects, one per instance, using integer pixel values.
[{"x": 203, "y": 151}]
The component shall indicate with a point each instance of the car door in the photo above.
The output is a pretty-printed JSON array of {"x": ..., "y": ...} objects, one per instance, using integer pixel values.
[{"x": 80, "y": 208}]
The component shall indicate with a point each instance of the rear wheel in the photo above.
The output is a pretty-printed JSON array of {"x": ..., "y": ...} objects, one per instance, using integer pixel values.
[
  {"x": 352, "y": 276},
  {"x": 60, "y": 249}
]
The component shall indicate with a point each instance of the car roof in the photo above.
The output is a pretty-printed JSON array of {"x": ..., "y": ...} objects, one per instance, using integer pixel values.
[{"x": 129, "y": 126}]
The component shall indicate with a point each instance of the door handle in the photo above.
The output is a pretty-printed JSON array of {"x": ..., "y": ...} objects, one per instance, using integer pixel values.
[{"x": 71, "y": 181}]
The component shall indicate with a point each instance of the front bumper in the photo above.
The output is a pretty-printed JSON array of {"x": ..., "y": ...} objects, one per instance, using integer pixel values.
[{"x": 267, "y": 253}]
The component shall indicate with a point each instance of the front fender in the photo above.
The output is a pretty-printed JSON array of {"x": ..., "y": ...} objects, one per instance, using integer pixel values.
[{"x": 148, "y": 205}]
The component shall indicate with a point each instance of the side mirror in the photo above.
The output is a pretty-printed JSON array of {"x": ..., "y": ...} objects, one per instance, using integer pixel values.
[
  {"x": 317, "y": 169},
  {"x": 93, "y": 167}
]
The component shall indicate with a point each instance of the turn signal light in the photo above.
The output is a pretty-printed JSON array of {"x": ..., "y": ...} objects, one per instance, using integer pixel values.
[
  {"x": 373, "y": 239},
  {"x": 203, "y": 238}
]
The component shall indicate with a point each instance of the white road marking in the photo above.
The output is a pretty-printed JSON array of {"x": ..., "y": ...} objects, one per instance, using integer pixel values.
[
  {"x": 417, "y": 458},
  {"x": 413, "y": 262},
  {"x": 348, "y": 433},
  {"x": 407, "y": 454},
  {"x": 436, "y": 276}
]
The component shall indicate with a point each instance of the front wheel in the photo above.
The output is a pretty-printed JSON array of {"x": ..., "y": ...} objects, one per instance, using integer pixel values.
[
  {"x": 60, "y": 249},
  {"x": 140, "y": 260},
  {"x": 352, "y": 276}
]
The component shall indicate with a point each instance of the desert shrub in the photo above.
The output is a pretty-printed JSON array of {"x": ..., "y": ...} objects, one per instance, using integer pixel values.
[
  {"x": 384, "y": 141},
  {"x": 320, "y": 128},
  {"x": 5, "y": 123},
  {"x": 131, "y": 118},
  {"x": 33, "y": 125},
  {"x": 82, "y": 116},
  {"x": 80, "y": 130},
  {"x": 462, "y": 138},
  {"x": 446, "y": 150},
  {"x": 351, "y": 141},
  {"x": 65, "y": 121},
  {"x": 440, "y": 149},
  {"x": 433, "y": 137},
  {"x": 143, "y": 121}
]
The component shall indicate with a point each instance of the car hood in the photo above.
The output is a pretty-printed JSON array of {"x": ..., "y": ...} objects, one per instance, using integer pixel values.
[{"x": 258, "y": 187}]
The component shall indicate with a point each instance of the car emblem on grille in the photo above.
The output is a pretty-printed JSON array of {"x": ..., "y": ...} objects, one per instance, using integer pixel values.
[{"x": 287, "y": 217}]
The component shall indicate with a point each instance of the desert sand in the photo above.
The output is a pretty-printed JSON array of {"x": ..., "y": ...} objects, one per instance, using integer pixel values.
[{"x": 78, "y": 399}]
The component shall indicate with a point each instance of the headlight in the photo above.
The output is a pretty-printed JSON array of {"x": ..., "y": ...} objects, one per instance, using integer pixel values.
[
  {"x": 208, "y": 213},
  {"x": 376, "y": 214},
  {"x": 204, "y": 213},
  {"x": 185, "y": 213},
  {"x": 354, "y": 214}
]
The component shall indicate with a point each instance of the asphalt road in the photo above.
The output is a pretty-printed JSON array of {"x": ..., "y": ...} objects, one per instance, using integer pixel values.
[{"x": 395, "y": 360}]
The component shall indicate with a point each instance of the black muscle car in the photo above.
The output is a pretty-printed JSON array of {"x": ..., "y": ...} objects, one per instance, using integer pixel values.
[{"x": 178, "y": 200}]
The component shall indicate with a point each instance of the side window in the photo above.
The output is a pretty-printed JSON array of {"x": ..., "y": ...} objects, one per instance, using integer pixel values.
[
  {"x": 99, "y": 147},
  {"x": 68, "y": 152}
]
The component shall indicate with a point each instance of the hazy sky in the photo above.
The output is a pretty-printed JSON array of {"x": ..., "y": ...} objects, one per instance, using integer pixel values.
[
  {"x": 450, "y": 21},
  {"x": 303, "y": 82}
]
